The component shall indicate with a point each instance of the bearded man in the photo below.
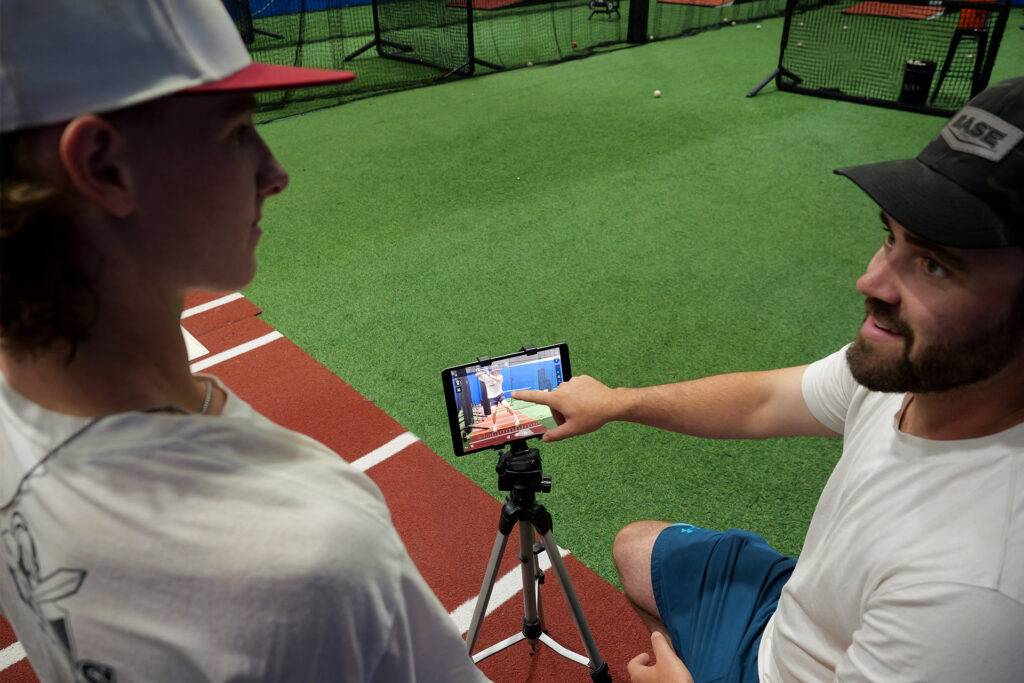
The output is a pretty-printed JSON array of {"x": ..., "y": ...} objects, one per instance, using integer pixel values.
[{"x": 913, "y": 565}]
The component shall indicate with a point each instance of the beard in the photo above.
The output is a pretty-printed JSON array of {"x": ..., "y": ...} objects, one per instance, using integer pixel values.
[{"x": 936, "y": 366}]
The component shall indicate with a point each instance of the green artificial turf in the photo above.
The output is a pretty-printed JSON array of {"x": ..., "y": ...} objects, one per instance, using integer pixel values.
[{"x": 662, "y": 239}]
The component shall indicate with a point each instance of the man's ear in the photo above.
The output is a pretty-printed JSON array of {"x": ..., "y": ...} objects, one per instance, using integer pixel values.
[{"x": 92, "y": 152}]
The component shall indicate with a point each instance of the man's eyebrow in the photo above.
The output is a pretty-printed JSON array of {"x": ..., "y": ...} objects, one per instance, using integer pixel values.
[
  {"x": 884, "y": 217},
  {"x": 921, "y": 243}
]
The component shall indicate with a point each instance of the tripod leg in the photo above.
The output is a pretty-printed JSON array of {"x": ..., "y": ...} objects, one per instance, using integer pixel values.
[
  {"x": 598, "y": 668},
  {"x": 539, "y": 574},
  {"x": 532, "y": 626},
  {"x": 485, "y": 590}
]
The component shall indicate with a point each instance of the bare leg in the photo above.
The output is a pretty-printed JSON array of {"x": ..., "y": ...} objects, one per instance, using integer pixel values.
[
  {"x": 494, "y": 420},
  {"x": 511, "y": 412},
  {"x": 632, "y": 554}
]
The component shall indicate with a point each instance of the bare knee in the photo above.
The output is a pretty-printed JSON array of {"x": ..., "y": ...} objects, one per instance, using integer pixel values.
[
  {"x": 636, "y": 541},
  {"x": 632, "y": 554}
]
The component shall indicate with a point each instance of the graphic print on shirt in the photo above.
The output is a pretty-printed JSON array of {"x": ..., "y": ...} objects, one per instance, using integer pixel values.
[{"x": 41, "y": 594}]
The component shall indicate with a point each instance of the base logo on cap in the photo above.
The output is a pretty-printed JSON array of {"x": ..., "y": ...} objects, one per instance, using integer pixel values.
[{"x": 981, "y": 133}]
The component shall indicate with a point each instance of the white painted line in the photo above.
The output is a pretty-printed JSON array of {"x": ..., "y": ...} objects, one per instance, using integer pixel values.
[
  {"x": 505, "y": 588},
  {"x": 192, "y": 345},
  {"x": 11, "y": 655},
  {"x": 379, "y": 455},
  {"x": 236, "y": 351},
  {"x": 209, "y": 305}
]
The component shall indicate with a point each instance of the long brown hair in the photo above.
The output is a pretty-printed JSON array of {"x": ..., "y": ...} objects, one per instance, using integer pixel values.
[{"x": 46, "y": 278}]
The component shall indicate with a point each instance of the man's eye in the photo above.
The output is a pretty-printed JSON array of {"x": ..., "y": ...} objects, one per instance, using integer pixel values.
[
  {"x": 933, "y": 267},
  {"x": 890, "y": 239}
]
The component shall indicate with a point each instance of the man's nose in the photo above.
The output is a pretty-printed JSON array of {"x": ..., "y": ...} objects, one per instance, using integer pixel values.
[{"x": 879, "y": 280}]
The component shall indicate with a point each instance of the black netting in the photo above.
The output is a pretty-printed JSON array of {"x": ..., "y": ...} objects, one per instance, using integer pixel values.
[
  {"x": 921, "y": 55},
  {"x": 876, "y": 51},
  {"x": 673, "y": 18}
]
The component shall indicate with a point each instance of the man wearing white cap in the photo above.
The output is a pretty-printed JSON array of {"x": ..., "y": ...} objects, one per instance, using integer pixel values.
[
  {"x": 913, "y": 565},
  {"x": 153, "y": 527}
]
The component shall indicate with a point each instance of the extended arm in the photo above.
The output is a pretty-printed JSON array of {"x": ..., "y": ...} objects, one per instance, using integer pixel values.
[{"x": 745, "y": 405}]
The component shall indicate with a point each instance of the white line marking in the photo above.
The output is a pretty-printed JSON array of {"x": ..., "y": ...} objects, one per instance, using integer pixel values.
[
  {"x": 505, "y": 588},
  {"x": 209, "y": 305},
  {"x": 379, "y": 455},
  {"x": 192, "y": 345},
  {"x": 236, "y": 351},
  {"x": 11, "y": 655}
]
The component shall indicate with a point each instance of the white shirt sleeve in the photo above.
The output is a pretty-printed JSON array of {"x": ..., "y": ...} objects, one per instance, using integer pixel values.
[{"x": 828, "y": 389}]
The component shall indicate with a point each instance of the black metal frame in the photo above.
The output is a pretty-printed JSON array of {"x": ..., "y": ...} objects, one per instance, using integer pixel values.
[
  {"x": 789, "y": 81},
  {"x": 467, "y": 68}
]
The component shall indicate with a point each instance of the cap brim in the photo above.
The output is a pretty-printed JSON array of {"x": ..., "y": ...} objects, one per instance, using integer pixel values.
[
  {"x": 256, "y": 77},
  {"x": 930, "y": 205}
]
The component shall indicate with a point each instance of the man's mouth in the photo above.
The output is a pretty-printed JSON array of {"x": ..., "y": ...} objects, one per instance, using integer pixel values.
[
  {"x": 882, "y": 320},
  {"x": 881, "y": 330}
]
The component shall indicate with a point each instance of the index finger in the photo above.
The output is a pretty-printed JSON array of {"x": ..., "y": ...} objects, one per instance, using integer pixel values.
[{"x": 533, "y": 396}]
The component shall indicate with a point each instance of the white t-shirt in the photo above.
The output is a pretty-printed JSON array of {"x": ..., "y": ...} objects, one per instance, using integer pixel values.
[
  {"x": 913, "y": 565},
  {"x": 492, "y": 383},
  {"x": 169, "y": 547}
]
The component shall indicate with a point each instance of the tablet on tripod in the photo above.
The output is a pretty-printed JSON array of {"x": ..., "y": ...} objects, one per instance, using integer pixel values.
[{"x": 481, "y": 412}]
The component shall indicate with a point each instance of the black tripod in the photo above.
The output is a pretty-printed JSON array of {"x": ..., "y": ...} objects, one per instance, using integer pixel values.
[{"x": 519, "y": 472}]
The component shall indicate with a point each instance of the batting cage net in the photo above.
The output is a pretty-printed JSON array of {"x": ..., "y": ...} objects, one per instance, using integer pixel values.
[
  {"x": 916, "y": 54},
  {"x": 921, "y": 55},
  {"x": 683, "y": 17},
  {"x": 399, "y": 44}
]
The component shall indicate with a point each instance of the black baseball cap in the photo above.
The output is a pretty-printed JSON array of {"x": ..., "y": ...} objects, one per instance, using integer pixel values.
[{"x": 966, "y": 189}]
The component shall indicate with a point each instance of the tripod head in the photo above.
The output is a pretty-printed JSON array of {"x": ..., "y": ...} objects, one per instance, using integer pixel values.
[{"x": 519, "y": 471}]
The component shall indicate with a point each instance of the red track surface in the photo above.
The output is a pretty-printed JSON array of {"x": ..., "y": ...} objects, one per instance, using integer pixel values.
[
  {"x": 483, "y": 437},
  {"x": 447, "y": 522}
]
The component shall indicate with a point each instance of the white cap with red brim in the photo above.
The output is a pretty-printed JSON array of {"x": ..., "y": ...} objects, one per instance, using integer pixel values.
[{"x": 64, "y": 58}]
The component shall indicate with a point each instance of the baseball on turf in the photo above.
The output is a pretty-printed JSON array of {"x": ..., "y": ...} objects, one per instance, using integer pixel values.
[{"x": 657, "y": 93}]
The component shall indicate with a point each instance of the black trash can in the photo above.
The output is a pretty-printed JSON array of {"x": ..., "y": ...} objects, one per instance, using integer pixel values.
[{"x": 917, "y": 81}]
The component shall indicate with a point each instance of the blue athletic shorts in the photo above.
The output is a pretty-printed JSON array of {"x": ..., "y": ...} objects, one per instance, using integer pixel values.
[
  {"x": 716, "y": 591},
  {"x": 496, "y": 400}
]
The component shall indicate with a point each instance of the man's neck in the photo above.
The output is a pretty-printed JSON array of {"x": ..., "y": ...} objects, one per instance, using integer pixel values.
[
  {"x": 142, "y": 363},
  {"x": 974, "y": 411}
]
